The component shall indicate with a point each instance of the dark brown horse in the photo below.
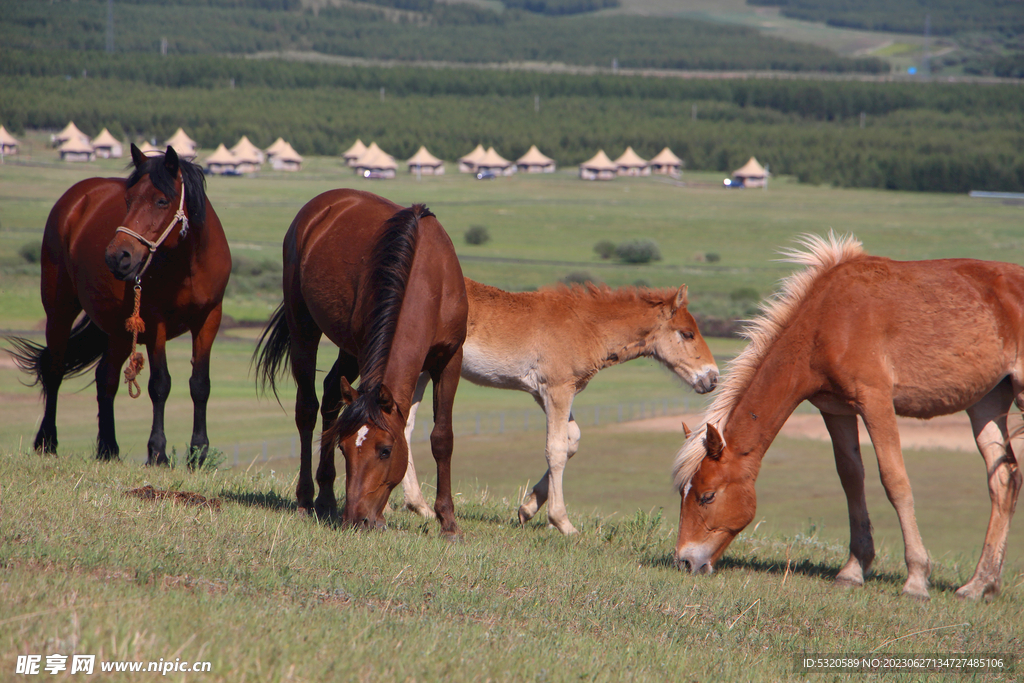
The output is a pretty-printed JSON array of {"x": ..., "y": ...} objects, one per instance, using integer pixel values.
[
  {"x": 862, "y": 335},
  {"x": 384, "y": 284},
  {"x": 103, "y": 239}
]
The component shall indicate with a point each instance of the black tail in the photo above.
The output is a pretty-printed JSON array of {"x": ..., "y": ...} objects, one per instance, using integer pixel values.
[
  {"x": 273, "y": 351},
  {"x": 86, "y": 346}
]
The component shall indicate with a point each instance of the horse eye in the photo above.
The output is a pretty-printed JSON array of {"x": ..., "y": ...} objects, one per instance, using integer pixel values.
[
  {"x": 162, "y": 202},
  {"x": 385, "y": 453},
  {"x": 687, "y": 335},
  {"x": 706, "y": 499}
]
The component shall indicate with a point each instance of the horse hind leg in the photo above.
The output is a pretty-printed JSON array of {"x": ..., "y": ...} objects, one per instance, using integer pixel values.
[
  {"x": 988, "y": 420},
  {"x": 850, "y": 466}
]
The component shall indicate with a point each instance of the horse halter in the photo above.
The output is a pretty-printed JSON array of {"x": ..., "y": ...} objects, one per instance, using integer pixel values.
[{"x": 179, "y": 217}]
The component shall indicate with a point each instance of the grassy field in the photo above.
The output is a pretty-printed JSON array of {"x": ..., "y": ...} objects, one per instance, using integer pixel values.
[
  {"x": 263, "y": 594},
  {"x": 86, "y": 568}
]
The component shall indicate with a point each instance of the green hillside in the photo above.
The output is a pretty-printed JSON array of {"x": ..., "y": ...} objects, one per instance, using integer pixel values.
[{"x": 456, "y": 33}]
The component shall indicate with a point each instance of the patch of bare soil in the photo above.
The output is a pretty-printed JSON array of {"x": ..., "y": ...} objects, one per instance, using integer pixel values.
[
  {"x": 184, "y": 497},
  {"x": 948, "y": 432}
]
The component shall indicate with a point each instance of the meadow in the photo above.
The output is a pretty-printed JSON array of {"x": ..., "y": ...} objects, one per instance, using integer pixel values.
[{"x": 88, "y": 569}]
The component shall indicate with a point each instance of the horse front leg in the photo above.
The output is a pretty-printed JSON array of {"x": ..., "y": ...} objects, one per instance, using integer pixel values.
[
  {"x": 539, "y": 494},
  {"x": 442, "y": 440},
  {"x": 348, "y": 367},
  {"x": 988, "y": 419},
  {"x": 108, "y": 378},
  {"x": 850, "y": 466},
  {"x": 880, "y": 419},
  {"x": 558, "y": 408},
  {"x": 414, "y": 499},
  {"x": 159, "y": 389}
]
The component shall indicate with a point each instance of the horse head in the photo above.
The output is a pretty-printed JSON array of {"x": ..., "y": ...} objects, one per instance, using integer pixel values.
[
  {"x": 717, "y": 504},
  {"x": 155, "y": 195},
  {"x": 371, "y": 434},
  {"x": 678, "y": 344}
]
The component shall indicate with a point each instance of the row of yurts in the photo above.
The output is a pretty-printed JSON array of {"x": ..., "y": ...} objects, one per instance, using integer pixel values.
[{"x": 372, "y": 161}]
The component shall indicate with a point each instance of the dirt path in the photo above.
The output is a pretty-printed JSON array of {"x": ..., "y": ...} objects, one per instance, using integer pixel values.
[{"x": 949, "y": 432}]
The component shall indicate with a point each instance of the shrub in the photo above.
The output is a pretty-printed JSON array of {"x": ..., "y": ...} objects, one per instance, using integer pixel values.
[
  {"x": 744, "y": 294},
  {"x": 605, "y": 249},
  {"x": 638, "y": 251},
  {"x": 30, "y": 252},
  {"x": 578, "y": 277},
  {"x": 712, "y": 257},
  {"x": 477, "y": 234}
]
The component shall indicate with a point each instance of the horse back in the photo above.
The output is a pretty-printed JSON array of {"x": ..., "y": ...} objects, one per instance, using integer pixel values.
[{"x": 941, "y": 332}]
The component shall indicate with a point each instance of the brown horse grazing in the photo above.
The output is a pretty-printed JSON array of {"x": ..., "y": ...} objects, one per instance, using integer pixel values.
[
  {"x": 861, "y": 335},
  {"x": 551, "y": 343},
  {"x": 384, "y": 284},
  {"x": 169, "y": 242}
]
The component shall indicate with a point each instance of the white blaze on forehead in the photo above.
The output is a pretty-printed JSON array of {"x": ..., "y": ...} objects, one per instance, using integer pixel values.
[{"x": 361, "y": 435}]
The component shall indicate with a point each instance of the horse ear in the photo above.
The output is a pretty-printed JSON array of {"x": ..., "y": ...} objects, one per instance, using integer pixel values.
[
  {"x": 385, "y": 400},
  {"x": 138, "y": 158},
  {"x": 682, "y": 299},
  {"x": 714, "y": 443},
  {"x": 171, "y": 161},
  {"x": 686, "y": 431},
  {"x": 348, "y": 394}
]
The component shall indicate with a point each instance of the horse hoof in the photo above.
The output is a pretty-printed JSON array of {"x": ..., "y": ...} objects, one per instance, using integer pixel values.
[
  {"x": 452, "y": 536},
  {"x": 917, "y": 594},
  {"x": 848, "y": 582},
  {"x": 973, "y": 591}
]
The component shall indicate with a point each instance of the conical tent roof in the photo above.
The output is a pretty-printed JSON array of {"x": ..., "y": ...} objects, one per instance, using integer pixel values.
[
  {"x": 149, "y": 150},
  {"x": 355, "y": 151},
  {"x": 666, "y": 158},
  {"x": 751, "y": 169},
  {"x": 493, "y": 159},
  {"x": 76, "y": 144},
  {"x": 221, "y": 155},
  {"x": 475, "y": 156},
  {"x": 599, "y": 162},
  {"x": 630, "y": 159},
  {"x": 247, "y": 152},
  {"x": 287, "y": 153},
  {"x": 181, "y": 142},
  {"x": 105, "y": 139},
  {"x": 71, "y": 131},
  {"x": 424, "y": 158},
  {"x": 6, "y": 138},
  {"x": 534, "y": 157},
  {"x": 278, "y": 146},
  {"x": 375, "y": 157}
]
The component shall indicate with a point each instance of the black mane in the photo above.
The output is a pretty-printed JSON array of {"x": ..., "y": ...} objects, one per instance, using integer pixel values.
[
  {"x": 192, "y": 178},
  {"x": 389, "y": 273}
]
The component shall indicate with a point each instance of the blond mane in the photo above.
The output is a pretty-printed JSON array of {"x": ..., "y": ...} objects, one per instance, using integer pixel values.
[{"x": 819, "y": 255}]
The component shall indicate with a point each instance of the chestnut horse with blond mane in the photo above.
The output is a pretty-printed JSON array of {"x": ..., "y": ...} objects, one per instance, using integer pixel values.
[
  {"x": 551, "y": 343},
  {"x": 864, "y": 335},
  {"x": 106, "y": 242},
  {"x": 384, "y": 284}
]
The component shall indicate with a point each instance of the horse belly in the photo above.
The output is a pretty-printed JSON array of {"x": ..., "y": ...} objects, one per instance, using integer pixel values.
[
  {"x": 945, "y": 388},
  {"x": 489, "y": 368}
]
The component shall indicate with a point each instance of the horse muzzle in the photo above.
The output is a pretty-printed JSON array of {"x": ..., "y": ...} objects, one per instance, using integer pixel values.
[
  {"x": 706, "y": 381},
  {"x": 124, "y": 262},
  {"x": 694, "y": 560}
]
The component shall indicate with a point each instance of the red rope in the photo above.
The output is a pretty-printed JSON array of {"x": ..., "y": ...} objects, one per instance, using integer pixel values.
[{"x": 136, "y": 362}]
